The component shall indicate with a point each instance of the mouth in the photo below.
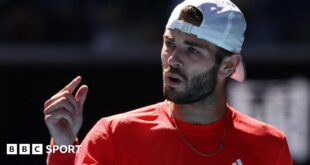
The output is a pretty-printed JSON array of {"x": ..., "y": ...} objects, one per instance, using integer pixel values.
[{"x": 173, "y": 81}]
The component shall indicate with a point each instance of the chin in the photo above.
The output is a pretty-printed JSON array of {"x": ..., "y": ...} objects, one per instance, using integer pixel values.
[{"x": 173, "y": 95}]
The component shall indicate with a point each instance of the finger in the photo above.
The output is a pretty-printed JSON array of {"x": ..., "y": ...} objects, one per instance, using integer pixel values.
[
  {"x": 55, "y": 117},
  {"x": 67, "y": 89},
  {"x": 65, "y": 94},
  {"x": 56, "y": 97},
  {"x": 72, "y": 85},
  {"x": 73, "y": 103},
  {"x": 61, "y": 103},
  {"x": 81, "y": 95}
]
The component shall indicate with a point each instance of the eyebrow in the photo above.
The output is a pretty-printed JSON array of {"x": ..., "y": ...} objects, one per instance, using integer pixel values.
[
  {"x": 194, "y": 44},
  {"x": 190, "y": 43},
  {"x": 168, "y": 38},
  {"x": 198, "y": 45}
]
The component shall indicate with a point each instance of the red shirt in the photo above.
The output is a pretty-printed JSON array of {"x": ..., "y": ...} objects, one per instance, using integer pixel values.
[{"x": 147, "y": 136}]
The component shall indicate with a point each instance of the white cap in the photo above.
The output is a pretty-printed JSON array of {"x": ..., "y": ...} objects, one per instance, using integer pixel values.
[{"x": 223, "y": 24}]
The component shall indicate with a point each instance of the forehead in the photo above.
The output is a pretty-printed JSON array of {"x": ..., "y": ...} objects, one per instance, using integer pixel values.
[{"x": 177, "y": 35}]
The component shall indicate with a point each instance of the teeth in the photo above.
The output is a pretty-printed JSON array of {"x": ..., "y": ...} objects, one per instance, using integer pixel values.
[{"x": 174, "y": 77}]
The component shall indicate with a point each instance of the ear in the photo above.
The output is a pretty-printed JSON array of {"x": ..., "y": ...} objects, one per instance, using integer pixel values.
[{"x": 229, "y": 64}]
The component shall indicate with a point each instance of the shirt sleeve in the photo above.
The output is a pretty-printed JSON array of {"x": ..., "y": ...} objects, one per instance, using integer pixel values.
[
  {"x": 96, "y": 148},
  {"x": 284, "y": 156},
  {"x": 58, "y": 158}
]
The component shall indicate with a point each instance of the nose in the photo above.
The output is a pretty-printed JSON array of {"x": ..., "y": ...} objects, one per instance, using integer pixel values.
[{"x": 174, "y": 59}]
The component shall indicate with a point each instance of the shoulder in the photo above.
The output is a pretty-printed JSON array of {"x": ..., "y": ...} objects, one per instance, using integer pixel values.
[
  {"x": 249, "y": 126},
  {"x": 136, "y": 113},
  {"x": 139, "y": 115},
  {"x": 126, "y": 121},
  {"x": 260, "y": 139}
]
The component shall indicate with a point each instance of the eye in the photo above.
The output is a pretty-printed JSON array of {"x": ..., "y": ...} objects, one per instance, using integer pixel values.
[
  {"x": 193, "y": 50},
  {"x": 169, "y": 44}
]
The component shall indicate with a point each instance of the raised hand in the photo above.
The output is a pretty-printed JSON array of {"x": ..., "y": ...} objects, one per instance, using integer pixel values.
[{"x": 64, "y": 112}]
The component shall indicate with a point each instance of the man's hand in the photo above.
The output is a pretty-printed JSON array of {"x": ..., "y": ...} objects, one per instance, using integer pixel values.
[{"x": 64, "y": 112}]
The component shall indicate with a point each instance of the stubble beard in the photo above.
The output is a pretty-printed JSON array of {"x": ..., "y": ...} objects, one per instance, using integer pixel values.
[{"x": 200, "y": 87}]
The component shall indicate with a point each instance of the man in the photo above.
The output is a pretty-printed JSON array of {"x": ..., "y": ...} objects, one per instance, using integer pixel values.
[{"x": 194, "y": 125}]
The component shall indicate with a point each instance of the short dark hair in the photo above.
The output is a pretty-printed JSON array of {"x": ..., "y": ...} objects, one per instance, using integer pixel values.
[
  {"x": 191, "y": 15},
  {"x": 194, "y": 16}
]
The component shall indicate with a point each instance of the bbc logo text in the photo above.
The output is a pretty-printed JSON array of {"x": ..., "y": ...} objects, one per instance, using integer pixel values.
[{"x": 38, "y": 149}]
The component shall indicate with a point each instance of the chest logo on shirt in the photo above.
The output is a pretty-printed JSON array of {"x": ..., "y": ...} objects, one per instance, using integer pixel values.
[{"x": 237, "y": 162}]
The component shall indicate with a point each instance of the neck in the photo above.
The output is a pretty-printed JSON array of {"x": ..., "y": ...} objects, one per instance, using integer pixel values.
[{"x": 205, "y": 111}]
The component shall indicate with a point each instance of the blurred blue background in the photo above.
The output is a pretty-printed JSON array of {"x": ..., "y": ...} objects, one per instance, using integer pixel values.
[{"x": 115, "y": 46}]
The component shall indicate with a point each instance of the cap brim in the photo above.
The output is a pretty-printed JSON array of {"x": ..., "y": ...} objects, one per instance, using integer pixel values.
[{"x": 239, "y": 74}]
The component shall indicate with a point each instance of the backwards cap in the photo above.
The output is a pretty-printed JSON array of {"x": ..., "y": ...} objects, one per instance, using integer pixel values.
[{"x": 223, "y": 24}]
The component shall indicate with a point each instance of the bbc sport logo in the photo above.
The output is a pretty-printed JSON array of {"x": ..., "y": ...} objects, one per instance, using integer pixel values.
[{"x": 37, "y": 149}]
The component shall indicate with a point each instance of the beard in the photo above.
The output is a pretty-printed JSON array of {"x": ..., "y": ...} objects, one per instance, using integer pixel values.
[{"x": 199, "y": 87}]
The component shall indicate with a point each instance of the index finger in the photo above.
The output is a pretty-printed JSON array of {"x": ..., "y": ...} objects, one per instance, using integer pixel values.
[{"x": 72, "y": 85}]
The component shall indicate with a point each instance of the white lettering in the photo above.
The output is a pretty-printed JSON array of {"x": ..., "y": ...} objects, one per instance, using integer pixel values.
[
  {"x": 48, "y": 149},
  {"x": 24, "y": 149},
  {"x": 11, "y": 149},
  {"x": 63, "y": 149},
  {"x": 37, "y": 149}
]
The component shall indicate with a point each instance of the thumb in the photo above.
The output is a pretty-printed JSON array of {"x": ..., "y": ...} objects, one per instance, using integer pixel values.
[{"x": 81, "y": 95}]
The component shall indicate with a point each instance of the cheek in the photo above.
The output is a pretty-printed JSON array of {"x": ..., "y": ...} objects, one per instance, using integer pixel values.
[{"x": 164, "y": 57}]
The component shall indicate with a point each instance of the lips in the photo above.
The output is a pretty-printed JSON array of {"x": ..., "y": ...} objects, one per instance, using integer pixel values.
[{"x": 173, "y": 80}]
